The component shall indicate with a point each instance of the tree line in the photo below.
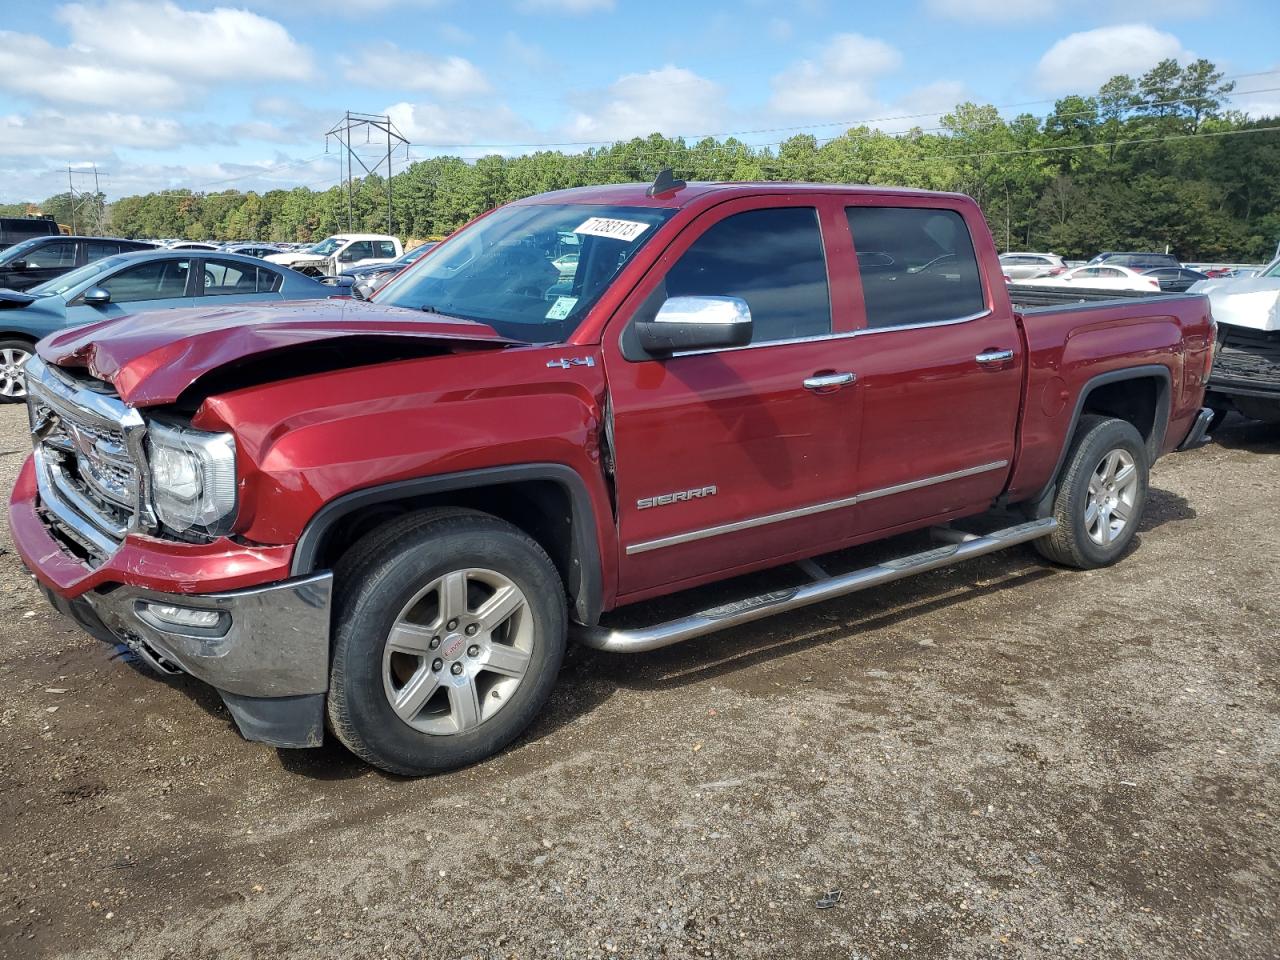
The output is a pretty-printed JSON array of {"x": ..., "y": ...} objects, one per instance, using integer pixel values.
[{"x": 1144, "y": 163}]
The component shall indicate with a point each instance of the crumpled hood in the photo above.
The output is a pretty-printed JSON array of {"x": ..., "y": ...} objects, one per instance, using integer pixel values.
[
  {"x": 1252, "y": 302},
  {"x": 151, "y": 358}
]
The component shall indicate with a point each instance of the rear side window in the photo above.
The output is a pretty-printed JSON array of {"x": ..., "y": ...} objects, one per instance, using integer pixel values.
[
  {"x": 97, "y": 249},
  {"x": 772, "y": 259},
  {"x": 224, "y": 278},
  {"x": 917, "y": 265},
  {"x": 386, "y": 250}
]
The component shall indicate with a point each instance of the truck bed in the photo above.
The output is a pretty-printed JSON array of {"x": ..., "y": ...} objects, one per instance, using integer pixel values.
[{"x": 1029, "y": 298}]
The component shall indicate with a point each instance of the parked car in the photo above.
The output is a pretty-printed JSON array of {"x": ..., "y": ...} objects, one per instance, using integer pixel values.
[
  {"x": 483, "y": 475},
  {"x": 126, "y": 283},
  {"x": 32, "y": 262},
  {"x": 1175, "y": 279},
  {"x": 1106, "y": 277},
  {"x": 194, "y": 245},
  {"x": 1136, "y": 261},
  {"x": 1246, "y": 367},
  {"x": 371, "y": 277},
  {"x": 340, "y": 252},
  {"x": 567, "y": 264},
  {"x": 259, "y": 250},
  {"x": 16, "y": 229},
  {"x": 1028, "y": 266}
]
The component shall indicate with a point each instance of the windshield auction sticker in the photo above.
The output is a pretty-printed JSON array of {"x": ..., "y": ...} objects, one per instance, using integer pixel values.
[
  {"x": 626, "y": 230},
  {"x": 561, "y": 308}
]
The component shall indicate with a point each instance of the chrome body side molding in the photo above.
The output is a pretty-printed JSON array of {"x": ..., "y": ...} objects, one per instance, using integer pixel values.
[{"x": 752, "y": 522}]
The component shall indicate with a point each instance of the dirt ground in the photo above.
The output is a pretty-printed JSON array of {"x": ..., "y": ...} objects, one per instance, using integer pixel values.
[{"x": 1002, "y": 759}]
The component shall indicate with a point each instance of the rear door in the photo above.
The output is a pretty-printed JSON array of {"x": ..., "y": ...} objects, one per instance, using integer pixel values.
[
  {"x": 725, "y": 458},
  {"x": 938, "y": 361}
]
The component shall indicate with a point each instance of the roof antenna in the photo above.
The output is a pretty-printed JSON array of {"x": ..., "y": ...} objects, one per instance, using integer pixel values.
[{"x": 664, "y": 182}]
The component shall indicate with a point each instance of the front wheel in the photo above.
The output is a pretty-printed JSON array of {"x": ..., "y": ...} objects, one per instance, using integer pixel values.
[
  {"x": 14, "y": 355},
  {"x": 1102, "y": 492},
  {"x": 450, "y": 631}
]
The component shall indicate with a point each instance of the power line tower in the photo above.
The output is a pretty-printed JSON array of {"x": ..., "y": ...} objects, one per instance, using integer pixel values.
[
  {"x": 90, "y": 208},
  {"x": 375, "y": 127}
]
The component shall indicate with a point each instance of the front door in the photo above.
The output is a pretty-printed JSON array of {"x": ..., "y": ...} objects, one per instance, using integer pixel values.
[
  {"x": 728, "y": 457},
  {"x": 43, "y": 262}
]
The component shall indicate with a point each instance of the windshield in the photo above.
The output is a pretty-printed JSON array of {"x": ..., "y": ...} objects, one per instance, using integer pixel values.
[
  {"x": 326, "y": 247},
  {"x": 60, "y": 285},
  {"x": 1272, "y": 271},
  {"x": 502, "y": 270}
]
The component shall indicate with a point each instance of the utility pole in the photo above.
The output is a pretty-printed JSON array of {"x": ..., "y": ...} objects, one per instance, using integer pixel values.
[
  {"x": 345, "y": 130},
  {"x": 91, "y": 203}
]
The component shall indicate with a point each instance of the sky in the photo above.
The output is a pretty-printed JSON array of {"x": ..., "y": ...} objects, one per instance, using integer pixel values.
[{"x": 180, "y": 93}]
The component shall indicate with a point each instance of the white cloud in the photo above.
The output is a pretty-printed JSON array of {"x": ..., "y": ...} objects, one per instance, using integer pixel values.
[
  {"x": 52, "y": 133},
  {"x": 839, "y": 81},
  {"x": 219, "y": 45},
  {"x": 671, "y": 100},
  {"x": 571, "y": 7},
  {"x": 25, "y": 62},
  {"x": 1086, "y": 60},
  {"x": 386, "y": 65},
  {"x": 432, "y": 125},
  {"x": 995, "y": 11}
]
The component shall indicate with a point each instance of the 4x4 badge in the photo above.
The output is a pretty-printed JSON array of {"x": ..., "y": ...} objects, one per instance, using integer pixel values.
[{"x": 565, "y": 363}]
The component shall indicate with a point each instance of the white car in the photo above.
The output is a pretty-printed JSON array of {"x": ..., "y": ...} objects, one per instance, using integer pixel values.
[
  {"x": 1026, "y": 266},
  {"x": 1099, "y": 277},
  {"x": 1246, "y": 365},
  {"x": 342, "y": 251}
]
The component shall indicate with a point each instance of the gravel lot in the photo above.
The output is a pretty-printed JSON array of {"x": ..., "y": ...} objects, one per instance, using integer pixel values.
[{"x": 999, "y": 760}]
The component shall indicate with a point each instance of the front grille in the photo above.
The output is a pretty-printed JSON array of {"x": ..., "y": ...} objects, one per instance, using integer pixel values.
[
  {"x": 1248, "y": 355},
  {"x": 88, "y": 454}
]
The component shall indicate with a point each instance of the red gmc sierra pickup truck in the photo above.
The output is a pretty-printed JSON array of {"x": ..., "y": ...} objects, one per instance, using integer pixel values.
[{"x": 390, "y": 517}]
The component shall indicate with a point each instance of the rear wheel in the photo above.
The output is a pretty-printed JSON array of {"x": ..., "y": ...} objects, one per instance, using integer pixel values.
[
  {"x": 449, "y": 635},
  {"x": 1101, "y": 494},
  {"x": 14, "y": 355}
]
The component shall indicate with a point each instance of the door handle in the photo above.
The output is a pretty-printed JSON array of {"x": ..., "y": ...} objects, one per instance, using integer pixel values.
[
  {"x": 828, "y": 381},
  {"x": 995, "y": 356}
]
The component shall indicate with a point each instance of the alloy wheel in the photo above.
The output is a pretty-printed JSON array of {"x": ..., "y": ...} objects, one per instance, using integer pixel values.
[{"x": 457, "y": 651}]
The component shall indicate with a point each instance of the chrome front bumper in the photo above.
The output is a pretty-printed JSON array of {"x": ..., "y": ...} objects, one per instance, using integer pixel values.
[
  {"x": 270, "y": 641},
  {"x": 266, "y": 653}
]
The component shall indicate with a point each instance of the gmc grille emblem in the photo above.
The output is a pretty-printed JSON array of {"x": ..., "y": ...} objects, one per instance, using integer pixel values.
[{"x": 679, "y": 496}]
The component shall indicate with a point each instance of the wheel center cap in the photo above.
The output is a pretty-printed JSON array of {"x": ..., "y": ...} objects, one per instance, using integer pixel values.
[{"x": 453, "y": 645}]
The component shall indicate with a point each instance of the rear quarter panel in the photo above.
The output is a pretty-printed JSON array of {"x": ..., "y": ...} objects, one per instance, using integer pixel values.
[{"x": 1068, "y": 347}]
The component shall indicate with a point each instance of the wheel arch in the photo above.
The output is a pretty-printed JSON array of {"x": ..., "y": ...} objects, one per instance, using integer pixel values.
[
  {"x": 1141, "y": 395},
  {"x": 548, "y": 501}
]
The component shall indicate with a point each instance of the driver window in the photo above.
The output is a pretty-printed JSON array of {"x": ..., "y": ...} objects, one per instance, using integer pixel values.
[
  {"x": 771, "y": 258},
  {"x": 154, "y": 280}
]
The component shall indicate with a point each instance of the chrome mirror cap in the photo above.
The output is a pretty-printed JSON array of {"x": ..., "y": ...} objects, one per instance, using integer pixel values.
[{"x": 696, "y": 323}]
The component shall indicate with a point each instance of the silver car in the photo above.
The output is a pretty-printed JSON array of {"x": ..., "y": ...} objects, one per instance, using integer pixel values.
[{"x": 1031, "y": 266}]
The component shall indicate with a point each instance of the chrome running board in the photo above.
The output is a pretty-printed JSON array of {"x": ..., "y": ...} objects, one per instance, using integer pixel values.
[{"x": 779, "y": 601}]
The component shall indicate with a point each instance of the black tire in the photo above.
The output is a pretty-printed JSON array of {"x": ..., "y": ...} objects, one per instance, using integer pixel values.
[
  {"x": 11, "y": 390},
  {"x": 377, "y": 578},
  {"x": 1071, "y": 545}
]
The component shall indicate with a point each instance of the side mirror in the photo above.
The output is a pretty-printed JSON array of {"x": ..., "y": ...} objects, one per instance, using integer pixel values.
[
  {"x": 346, "y": 256},
  {"x": 97, "y": 297},
  {"x": 18, "y": 265},
  {"x": 696, "y": 323}
]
